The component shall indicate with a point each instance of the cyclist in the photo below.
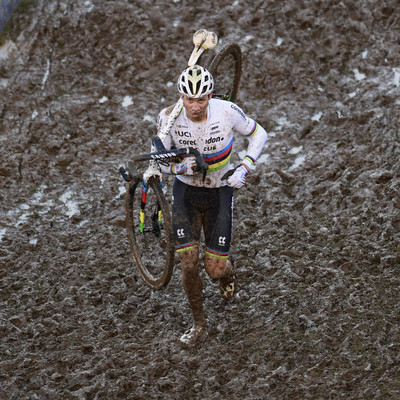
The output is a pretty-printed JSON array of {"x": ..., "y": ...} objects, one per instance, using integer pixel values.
[{"x": 206, "y": 202}]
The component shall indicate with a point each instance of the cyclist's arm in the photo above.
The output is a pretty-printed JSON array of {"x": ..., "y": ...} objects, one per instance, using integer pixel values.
[
  {"x": 253, "y": 131},
  {"x": 257, "y": 138}
]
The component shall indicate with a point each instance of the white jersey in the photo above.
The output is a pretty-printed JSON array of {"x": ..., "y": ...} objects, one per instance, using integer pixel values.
[{"x": 214, "y": 139}]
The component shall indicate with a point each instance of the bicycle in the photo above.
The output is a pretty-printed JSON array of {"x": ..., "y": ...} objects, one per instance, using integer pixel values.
[{"x": 151, "y": 236}]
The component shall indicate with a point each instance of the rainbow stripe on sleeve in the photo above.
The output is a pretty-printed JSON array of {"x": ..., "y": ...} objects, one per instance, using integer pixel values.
[
  {"x": 254, "y": 130},
  {"x": 250, "y": 159},
  {"x": 217, "y": 161}
]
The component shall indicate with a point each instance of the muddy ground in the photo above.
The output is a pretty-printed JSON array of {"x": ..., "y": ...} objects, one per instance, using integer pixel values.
[{"x": 317, "y": 227}]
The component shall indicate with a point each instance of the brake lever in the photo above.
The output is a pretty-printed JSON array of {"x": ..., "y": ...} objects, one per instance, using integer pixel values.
[
  {"x": 201, "y": 164},
  {"x": 130, "y": 173},
  {"x": 125, "y": 174},
  {"x": 228, "y": 174}
]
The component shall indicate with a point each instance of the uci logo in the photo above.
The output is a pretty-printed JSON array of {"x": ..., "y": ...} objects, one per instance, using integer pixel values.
[
  {"x": 222, "y": 240},
  {"x": 180, "y": 233},
  {"x": 183, "y": 133}
]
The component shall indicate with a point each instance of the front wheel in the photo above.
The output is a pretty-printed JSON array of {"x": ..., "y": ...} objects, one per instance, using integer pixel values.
[
  {"x": 150, "y": 232},
  {"x": 226, "y": 69}
]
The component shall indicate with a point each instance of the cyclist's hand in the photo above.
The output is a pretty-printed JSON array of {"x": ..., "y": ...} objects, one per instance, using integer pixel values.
[
  {"x": 187, "y": 167},
  {"x": 237, "y": 179},
  {"x": 191, "y": 164}
]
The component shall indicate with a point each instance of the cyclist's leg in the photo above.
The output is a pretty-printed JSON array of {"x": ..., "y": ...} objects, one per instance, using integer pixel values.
[
  {"x": 187, "y": 227},
  {"x": 192, "y": 283},
  {"x": 186, "y": 221},
  {"x": 218, "y": 231},
  {"x": 215, "y": 266}
]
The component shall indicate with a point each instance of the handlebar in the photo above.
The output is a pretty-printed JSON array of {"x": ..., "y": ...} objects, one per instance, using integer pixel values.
[
  {"x": 164, "y": 155},
  {"x": 201, "y": 164},
  {"x": 167, "y": 154}
]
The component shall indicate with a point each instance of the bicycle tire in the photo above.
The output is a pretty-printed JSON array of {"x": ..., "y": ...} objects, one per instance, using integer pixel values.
[
  {"x": 226, "y": 69},
  {"x": 153, "y": 255}
]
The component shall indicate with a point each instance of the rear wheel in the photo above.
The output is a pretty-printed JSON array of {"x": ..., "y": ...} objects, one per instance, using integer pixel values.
[
  {"x": 151, "y": 243},
  {"x": 226, "y": 69}
]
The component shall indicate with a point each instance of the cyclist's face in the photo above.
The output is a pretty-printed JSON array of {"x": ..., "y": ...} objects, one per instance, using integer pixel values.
[{"x": 196, "y": 109}]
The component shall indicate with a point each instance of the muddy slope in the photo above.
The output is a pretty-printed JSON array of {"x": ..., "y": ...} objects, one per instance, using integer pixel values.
[{"x": 317, "y": 227}]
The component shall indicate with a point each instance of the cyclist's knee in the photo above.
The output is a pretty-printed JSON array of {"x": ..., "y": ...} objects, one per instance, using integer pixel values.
[
  {"x": 189, "y": 258},
  {"x": 215, "y": 267}
]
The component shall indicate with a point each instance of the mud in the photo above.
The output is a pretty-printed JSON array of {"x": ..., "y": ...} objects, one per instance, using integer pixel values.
[{"x": 317, "y": 227}]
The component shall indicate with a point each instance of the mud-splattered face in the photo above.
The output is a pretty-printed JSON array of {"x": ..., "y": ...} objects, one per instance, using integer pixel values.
[{"x": 196, "y": 108}]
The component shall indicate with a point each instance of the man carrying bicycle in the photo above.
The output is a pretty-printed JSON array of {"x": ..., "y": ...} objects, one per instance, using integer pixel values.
[{"x": 206, "y": 202}]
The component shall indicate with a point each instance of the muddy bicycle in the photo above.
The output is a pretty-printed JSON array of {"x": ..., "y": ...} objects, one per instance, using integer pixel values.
[{"x": 148, "y": 219}]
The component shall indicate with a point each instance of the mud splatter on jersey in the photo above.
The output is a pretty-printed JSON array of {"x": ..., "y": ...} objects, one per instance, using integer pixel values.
[{"x": 214, "y": 139}]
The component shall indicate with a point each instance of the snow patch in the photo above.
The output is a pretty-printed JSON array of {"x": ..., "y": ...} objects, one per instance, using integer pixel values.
[
  {"x": 396, "y": 79},
  {"x": 3, "y": 82},
  {"x": 352, "y": 94},
  {"x": 34, "y": 205},
  {"x": 282, "y": 121},
  {"x": 121, "y": 191},
  {"x": 262, "y": 159},
  {"x": 248, "y": 38},
  {"x": 127, "y": 101},
  {"x": 6, "y": 50},
  {"x": 89, "y": 5},
  {"x": 359, "y": 76},
  {"x": 46, "y": 74},
  {"x": 317, "y": 117},
  {"x": 299, "y": 160},
  {"x": 2, "y": 233},
  {"x": 71, "y": 205},
  {"x": 295, "y": 150},
  {"x": 148, "y": 118}
]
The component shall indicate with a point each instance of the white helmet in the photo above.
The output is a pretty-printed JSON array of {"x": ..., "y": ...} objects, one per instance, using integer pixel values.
[{"x": 195, "y": 82}]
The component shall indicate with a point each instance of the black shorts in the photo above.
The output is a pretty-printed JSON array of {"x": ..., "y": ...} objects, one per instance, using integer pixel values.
[{"x": 195, "y": 208}]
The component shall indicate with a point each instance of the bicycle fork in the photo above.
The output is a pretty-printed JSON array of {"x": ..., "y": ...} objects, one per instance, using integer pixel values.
[{"x": 156, "y": 217}]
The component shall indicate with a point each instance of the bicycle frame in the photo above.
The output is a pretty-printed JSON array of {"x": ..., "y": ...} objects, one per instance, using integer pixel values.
[{"x": 153, "y": 172}]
